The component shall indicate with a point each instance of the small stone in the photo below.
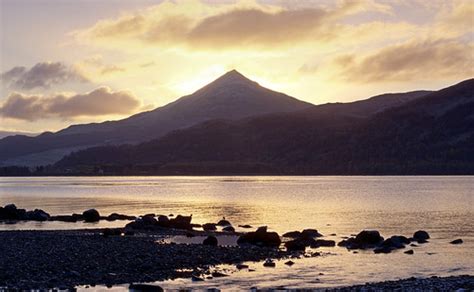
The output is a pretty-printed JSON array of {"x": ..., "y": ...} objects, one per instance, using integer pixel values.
[
  {"x": 145, "y": 288},
  {"x": 218, "y": 275},
  {"x": 269, "y": 263},
  {"x": 457, "y": 241},
  {"x": 241, "y": 266},
  {"x": 409, "y": 251},
  {"x": 289, "y": 263}
]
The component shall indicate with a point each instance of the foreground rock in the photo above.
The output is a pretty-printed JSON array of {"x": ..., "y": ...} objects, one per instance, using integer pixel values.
[
  {"x": 48, "y": 259},
  {"x": 261, "y": 237}
]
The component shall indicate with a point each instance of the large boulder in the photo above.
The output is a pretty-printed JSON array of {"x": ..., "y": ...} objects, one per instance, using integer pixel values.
[
  {"x": 365, "y": 239},
  {"x": 91, "y": 215},
  {"x": 260, "y": 237},
  {"x": 369, "y": 237},
  {"x": 223, "y": 222},
  {"x": 181, "y": 222},
  {"x": 421, "y": 236}
]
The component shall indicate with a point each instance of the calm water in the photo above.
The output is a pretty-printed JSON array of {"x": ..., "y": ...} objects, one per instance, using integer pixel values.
[{"x": 343, "y": 205}]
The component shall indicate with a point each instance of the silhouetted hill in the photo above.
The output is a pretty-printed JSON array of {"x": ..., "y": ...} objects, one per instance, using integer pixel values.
[
  {"x": 231, "y": 96},
  {"x": 431, "y": 133}
]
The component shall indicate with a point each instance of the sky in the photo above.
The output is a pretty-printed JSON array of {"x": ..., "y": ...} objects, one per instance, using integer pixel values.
[{"x": 67, "y": 62}]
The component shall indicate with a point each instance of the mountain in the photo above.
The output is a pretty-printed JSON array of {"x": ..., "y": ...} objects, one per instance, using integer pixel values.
[
  {"x": 4, "y": 134},
  {"x": 231, "y": 96},
  {"x": 431, "y": 133}
]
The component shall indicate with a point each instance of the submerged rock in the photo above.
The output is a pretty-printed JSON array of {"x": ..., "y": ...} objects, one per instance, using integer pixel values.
[
  {"x": 322, "y": 242},
  {"x": 116, "y": 216},
  {"x": 457, "y": 241},
  {"x": 260, "y": 237},
  {"x": 91, "y": 215},
  {"x": 410, "y": 251},
  {"x": 245, "y": 226}
]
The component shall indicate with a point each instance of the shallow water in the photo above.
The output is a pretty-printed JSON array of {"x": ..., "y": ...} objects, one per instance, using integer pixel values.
[{"x": 343, "y": 205}]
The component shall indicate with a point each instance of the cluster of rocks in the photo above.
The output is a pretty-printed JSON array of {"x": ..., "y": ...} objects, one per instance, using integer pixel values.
[
  {"x": 260, "y": 237},
  {"x": 11, "y": 213},
  {"x": 371, "y": 239},
  {"x": 154, "y": 222},
  {"x": 306, "y": 238}
]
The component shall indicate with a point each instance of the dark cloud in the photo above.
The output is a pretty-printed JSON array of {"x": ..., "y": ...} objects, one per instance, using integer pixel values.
[
  {"x": 41, "y": 75},
  {"x": 99, "y": 102}
]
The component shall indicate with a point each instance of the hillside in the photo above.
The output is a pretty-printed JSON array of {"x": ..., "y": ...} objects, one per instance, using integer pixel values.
[{"x": 431, "y": 134}]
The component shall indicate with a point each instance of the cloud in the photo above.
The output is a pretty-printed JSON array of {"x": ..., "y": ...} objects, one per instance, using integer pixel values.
[
  {"x": 42, "y": 75},
  {"x": 242, "y": 26},
  {"x": 99, "y": 102},
  {"x": 410, "y": 61}
]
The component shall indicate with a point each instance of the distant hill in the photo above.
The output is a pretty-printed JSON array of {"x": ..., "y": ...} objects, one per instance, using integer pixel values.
[
  {"x": 4, "y": 134},
  {"x": 425, "y": 133},
  {"x": 231, "y": 96}
]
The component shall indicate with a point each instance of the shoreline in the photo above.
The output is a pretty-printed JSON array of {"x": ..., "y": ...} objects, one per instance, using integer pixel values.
[{"x": 45, "y": 259}]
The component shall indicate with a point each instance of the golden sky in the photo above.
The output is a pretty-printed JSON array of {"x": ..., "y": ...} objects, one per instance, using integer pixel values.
[{"x": 81, "y": 61}]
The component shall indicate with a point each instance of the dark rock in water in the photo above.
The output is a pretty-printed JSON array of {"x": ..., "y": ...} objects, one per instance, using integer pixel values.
[
  {"x": 396, "y": 241},
  {"x": 36, "y": 215},
  {"x": 11, "y": 212},
  {"x": 368, "y": 237},
  {"x": 241, "y": 266},
  {"x": 269, "y": 263},
  {"x": 260, "y": 237},
  {"x": 296, "y": 245},
  {"x": 383, "y": 249},
  {"x": 410, "y": 251},
  {"x": 289, "y": 263},
  {"x": 322, "y": 242},
  {"x": 64, "y": 218},
  {"x": 292, "y": 234},
  {"x": 421, "y": 236},
  {"x": 223, "y": 222},
  {"x": 228, "y": 229},
  {"x": 145, "y": 288},
  {"x": 209, "y": 227},
  {"x": 116, "y": 216},
  {"x": 245, "y": 226},
  {"x": 218, "y": 275},
  {"x": 457, "y": 241},
  {"x": 149, "y": 219},
  {"x": 365, "y": 239},
  {"x": 413, "y": 245},
  {"x": 181, "y": 222},
  {"x": 112, "y": 232},
  {"x": 91, "y": 215},
  {"x": 162, "y": 219},
  {"x": 210, "y": 240},
  {"x": 310, "y": 233}
]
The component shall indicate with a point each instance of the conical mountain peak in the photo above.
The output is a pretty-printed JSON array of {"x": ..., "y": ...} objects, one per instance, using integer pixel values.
[{"x": 230, "y": 78}]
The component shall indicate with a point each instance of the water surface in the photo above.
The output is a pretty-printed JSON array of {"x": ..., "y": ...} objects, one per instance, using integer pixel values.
[{"x": 342, "y": 205}]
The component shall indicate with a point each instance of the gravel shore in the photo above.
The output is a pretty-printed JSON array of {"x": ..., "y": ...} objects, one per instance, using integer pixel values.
[
  {"x": 453, "y": 283},
  {"x": 47, "y": 259}
]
